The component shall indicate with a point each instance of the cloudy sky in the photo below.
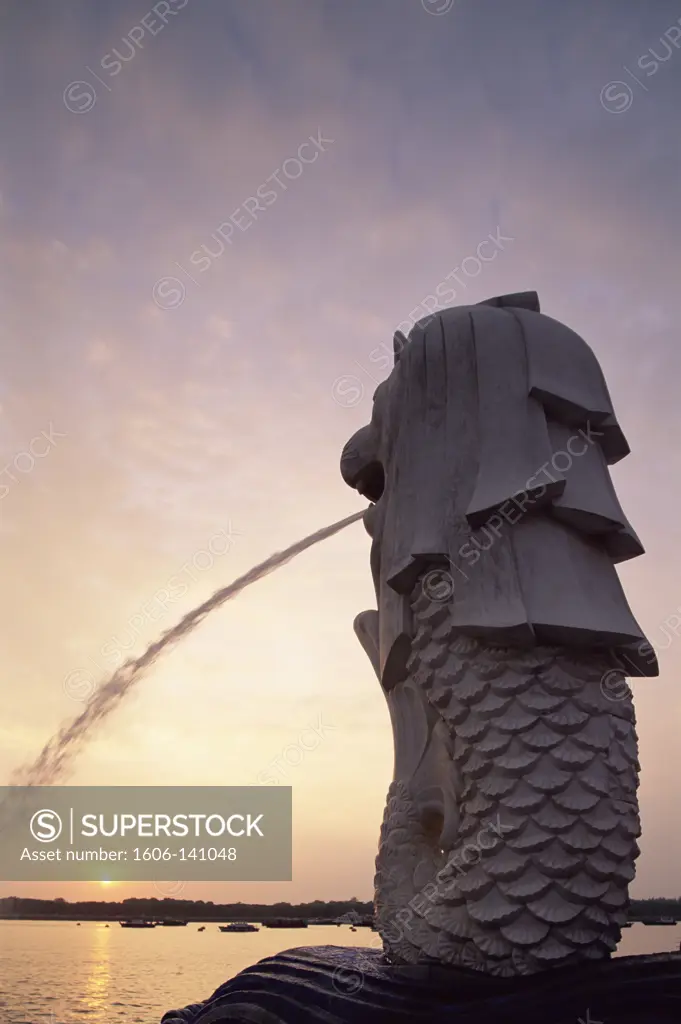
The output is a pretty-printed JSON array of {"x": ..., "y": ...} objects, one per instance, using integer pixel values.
[{"x": 162, "y": 388}]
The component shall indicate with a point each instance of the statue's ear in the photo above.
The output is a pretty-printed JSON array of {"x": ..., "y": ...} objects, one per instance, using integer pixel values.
[
  {"x": 519, "y": 300},
  {"x": 399, "y": 344}
]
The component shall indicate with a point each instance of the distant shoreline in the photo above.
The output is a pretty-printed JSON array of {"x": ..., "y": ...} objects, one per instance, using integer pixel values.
[
  {"x": 225, "y": 919},
  {"x": 17, "y": 908}
]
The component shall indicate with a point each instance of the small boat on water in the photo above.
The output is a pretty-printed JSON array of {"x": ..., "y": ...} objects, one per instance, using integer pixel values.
[
  {"x": 202, "y": 928},
  {"x": 137, "y": 924},
  {"x": 239, "y": 926},
  {"x": 171, "y": 922}
]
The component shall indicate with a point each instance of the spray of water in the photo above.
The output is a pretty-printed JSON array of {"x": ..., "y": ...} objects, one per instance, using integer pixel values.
[{"x": 56, "y": 756}]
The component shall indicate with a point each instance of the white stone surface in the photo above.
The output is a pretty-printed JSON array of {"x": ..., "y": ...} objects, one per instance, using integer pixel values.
[{"x": 501, "y": 638}]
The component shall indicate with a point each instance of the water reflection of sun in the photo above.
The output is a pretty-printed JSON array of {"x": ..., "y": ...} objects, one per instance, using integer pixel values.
[{"x": 96, "y": 995}]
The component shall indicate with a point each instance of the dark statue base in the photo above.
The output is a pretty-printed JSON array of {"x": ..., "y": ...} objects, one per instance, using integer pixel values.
[{"x": 340, "y": 985}]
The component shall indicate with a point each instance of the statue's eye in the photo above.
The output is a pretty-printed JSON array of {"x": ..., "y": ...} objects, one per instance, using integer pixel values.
[{"x": 371, "y": 481}]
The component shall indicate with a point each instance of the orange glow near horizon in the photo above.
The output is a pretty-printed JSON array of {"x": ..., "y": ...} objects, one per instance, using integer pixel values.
[{"x": 163, "y": 430}]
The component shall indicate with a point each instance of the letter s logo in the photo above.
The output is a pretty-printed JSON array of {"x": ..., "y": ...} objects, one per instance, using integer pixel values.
[{"x": 45, "y": 826}]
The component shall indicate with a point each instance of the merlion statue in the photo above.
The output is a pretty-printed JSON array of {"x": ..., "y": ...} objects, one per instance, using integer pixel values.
[{"x": 501, "y": 641}]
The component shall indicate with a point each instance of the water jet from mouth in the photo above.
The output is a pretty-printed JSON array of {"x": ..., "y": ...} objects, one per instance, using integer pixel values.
[{"x": 59, "y": 752}]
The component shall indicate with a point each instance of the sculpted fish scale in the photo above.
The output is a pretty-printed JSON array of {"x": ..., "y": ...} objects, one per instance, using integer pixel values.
[
  {"x": 553, "y": 819},
  {"x": 591, "y": 701},
  {"x": 434, "y": 656},
  {"x": 576, "y": 798},
  {"x": 529, "y": 886},
  {"x": 570, "y": 756},
  {"x": 497, "y": 785},
  {"x": 531, "y": 839},
  {"x": 537, "y": 699},
  {"x": 602, "y": 819},
  {"x": 617, "y": 759},
  {"x": 541, "y": 737},
  {"x": 554, "y": 909},
  {"x": 460, "y": 752},
  {"x": 597, "y": 780},
  {"x": 597, "y": 916},
  {"x": 600, "y": 866},
  {"x": 556, "y": 862},
  {"x": 444, "y": 698},
  {"x": 436, "y": 916},
  {"x": 547, "y": 777},
  {"x": 493, "y": 742},
  {"x": 629, "y": 823},
  {"x": 522, "y": 797},
  {"x": 578, "y": 934},
  {"x": 556, "y": 680},
  {"x": 505, "y": 865},
  {"x": 517, "y": 764},
  {"x": 455, "y": 711},
  {"x": 492, "y": 705},
  {"x": 618, "y": 846},
  {"x": 625, "y": 873},
  {"x": 579, "y": 838},
  {"x": 568, "y": 718},
  {"x": 493, "y": 908},
  {"x": 526, "y": 930},
  {"x": 469, "y": 826},
  {"x": 451, "y": 675},
  {"x": 475, "y": 765},
  {"x": 471, "y": 690},
  {"x": 597, "y": 733},
  {"x": 623, "y": 784},
  {"x": 622, "y": 726},
  {"x": 595, "y": 951},
  {"x": 544, "y": 858},
  {"x": 516, "y": 719},
  {"x": 511, "y": 822},
  {"x": 508, "y": 684},
  {"x": 491, "y": 671},
  {"x": 440, "y": 917},
  {"x": 477, "y": 805},
  {"x": 493, "y": 944},
  {"x": 552, "y": 950},
  {"x": 472, "y": 728},
  {"x": 426, "y": 938},
  {"x": 449, "y": 940}
]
